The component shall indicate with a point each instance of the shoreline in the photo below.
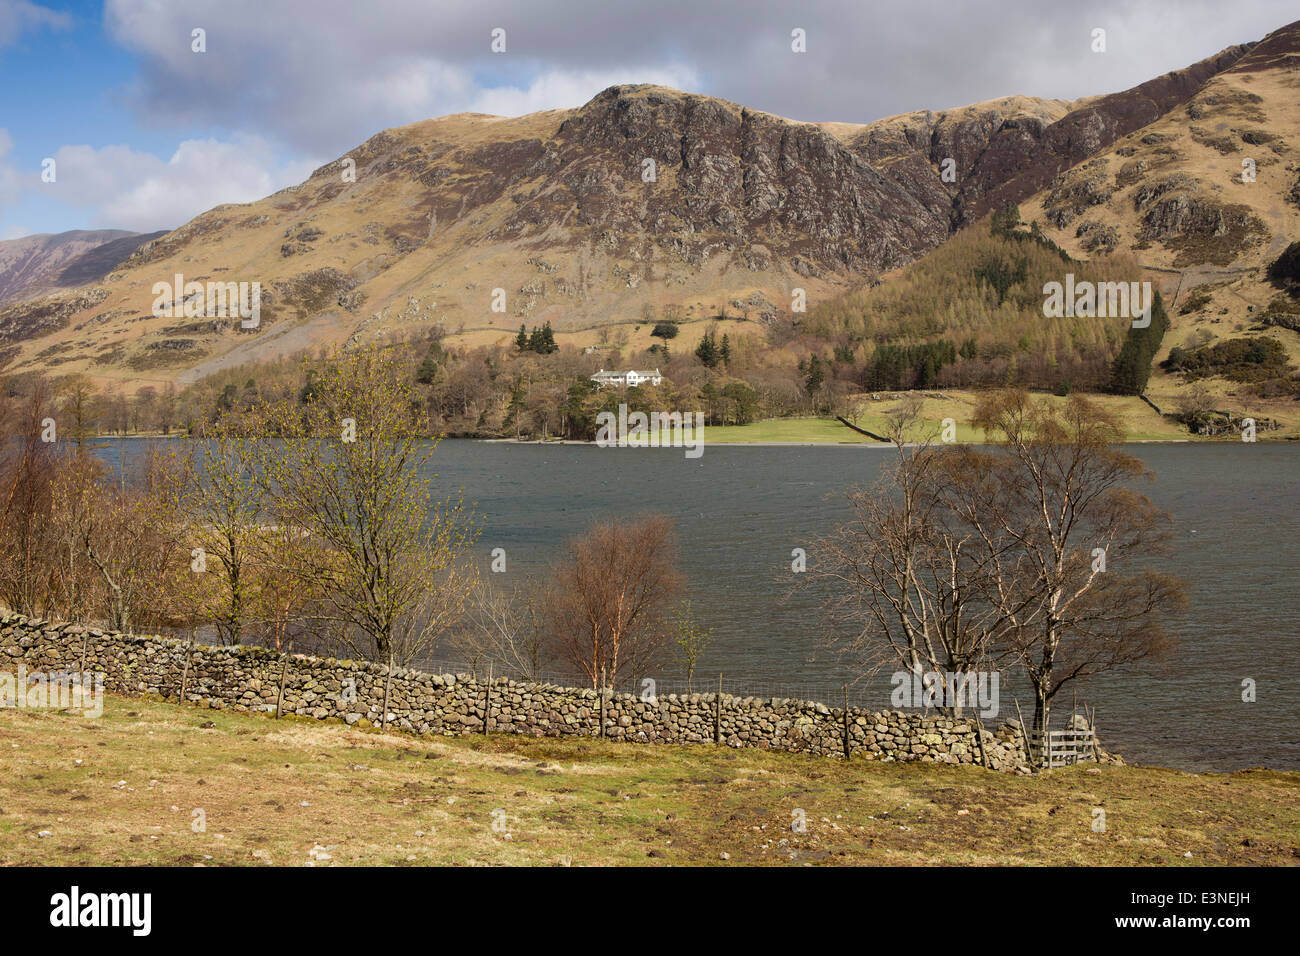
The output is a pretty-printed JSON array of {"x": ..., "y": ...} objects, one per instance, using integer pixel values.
[
  {"x": 741, "y": 443},
  {"x": 812, "y": 444}
]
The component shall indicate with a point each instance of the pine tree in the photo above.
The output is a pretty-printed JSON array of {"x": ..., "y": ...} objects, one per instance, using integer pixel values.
[
  {"x": 816, "y": 376},
  {"x": 521, "y": 340},
  {"x": 926, "y": 371},
  {"x": 707, "y": 350},
  {"x": 1132, "y": 368}
]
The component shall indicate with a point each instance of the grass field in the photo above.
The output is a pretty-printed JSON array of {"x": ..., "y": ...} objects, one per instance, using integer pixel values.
[
  {"x": 822, "y": 431},
  {"x": 1139, "y": 421},
  {"x": 129, "y": 788}
]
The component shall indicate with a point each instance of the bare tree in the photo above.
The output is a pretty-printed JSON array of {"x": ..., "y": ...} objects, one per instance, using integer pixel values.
[
  {"x": 1196, "y": 405},
  {"x": 608, "y": 607},
  {"x": 280, "y": 602},
  {"x": 443, "y": 607},
  {"x": 220, "y": 498},
  {"x": 508, "y": 626},
  {"x": 77, "y": 407},
  {"x": 129, "y": 534},
  {"x": 28, "y": 464},
  {"x": 906, "y": 575},
  {"x": 691, "y": 640},
  {"x": 905, "y": 421},
  {"x": 964, "y": 558},
  {"x": 1076, "y": 590},
  {"x": 75, "y": 493}
]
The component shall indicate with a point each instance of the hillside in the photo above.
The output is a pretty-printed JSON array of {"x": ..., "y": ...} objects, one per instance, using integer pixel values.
[
  {"x": 980, "y": 292},
  {"x": 123, "y": 790},
  {"x": 1006, "y": 150},
  {"x": 1199, "y": 202},
  {"x": 1179, "y": 196},
  {"x": 555, "y": 209},
  {"x": 38, "y": 265},
  {"x": 549, "y": 207}
]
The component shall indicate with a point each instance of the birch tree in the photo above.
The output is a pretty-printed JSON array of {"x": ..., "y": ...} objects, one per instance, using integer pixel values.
[
  {"x": 612, "y": 595},
  {"x": 1078, "y": 587},
  {"x": 352, "y": 472},
  {"x": 221, "y": 500}
]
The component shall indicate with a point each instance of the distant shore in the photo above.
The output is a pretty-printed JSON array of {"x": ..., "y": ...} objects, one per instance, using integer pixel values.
[{"x": 730, "y": 443}]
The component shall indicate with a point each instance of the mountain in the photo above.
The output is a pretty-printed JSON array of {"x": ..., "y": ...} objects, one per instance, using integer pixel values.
[
  {"x": 1202, "y": 202},
  {"x": 96, "y": 263},
  {"x": 1207, "y": 196},
  {"x": 553, "y": 208},
  {"x": 1211, "y": 187},
  {"x": 1007, "y": 150},
  {"x": 644, "y": 202},
  {"x": 37, "y": 265}
]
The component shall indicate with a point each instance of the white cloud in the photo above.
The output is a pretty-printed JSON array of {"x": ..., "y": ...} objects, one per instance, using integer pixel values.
[
  {"x": 558, "y": 89},
  {"x": 326, "y": 82},
  {"x": 279, "y": 84},
  {"x": 132, "y": 190},
  {"x": 10, "y": 184},
  {"x": 121, "y": 188},
  {"x": 19, "y": 16}
]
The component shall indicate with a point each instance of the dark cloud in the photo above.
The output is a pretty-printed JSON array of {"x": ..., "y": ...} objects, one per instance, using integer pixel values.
[
  {"x": 287, "y": 84},
  {"x": 321, "y": 77}
]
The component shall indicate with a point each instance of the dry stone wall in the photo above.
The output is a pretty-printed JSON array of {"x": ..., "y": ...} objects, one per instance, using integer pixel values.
[{"x": 257, "y": 679}]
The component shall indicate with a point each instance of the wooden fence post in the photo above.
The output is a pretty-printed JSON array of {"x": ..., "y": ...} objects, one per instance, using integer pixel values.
[
  {"x": 979, "y": 739},
  {"x": 848, "y": 745},
  {"x": 279, "y": 696},
  {"x": 81, "y": 665},
  {"x": 1092, "y": 726},
  {"x": 185, "y": 671},
  {"x": 601, "y": 732},
  {"x": 717, "y": 713},
  {"x": 1024, "y": 734}
]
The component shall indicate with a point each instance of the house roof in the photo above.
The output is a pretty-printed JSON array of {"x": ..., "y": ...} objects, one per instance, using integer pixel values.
[{"x": 640, "y": 373}]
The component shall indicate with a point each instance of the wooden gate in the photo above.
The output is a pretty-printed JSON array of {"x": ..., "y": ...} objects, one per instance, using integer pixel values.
[{"x": 1063, "y": 748}]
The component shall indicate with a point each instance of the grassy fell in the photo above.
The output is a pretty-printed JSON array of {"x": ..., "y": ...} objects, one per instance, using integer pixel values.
[
  {"x": 1138, "y": 420},
  {"x": 273, "y": 792}
]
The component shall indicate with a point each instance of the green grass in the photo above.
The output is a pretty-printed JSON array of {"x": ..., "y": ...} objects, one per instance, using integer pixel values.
[
  {"x": 815, "y": 430},
  {"x": 1139, "y": 420},
  {"x": 124, "y": 788}
]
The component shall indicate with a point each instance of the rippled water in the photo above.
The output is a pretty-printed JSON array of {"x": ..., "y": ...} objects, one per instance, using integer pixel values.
[{"x": 740, "y": 511}]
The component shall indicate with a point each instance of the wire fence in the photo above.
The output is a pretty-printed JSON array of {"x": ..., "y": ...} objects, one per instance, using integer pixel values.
[
  {"x": 1010, "y": 703},
  {"x": 657, "y": 684}
]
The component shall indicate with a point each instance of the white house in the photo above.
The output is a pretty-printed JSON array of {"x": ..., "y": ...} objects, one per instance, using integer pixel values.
[{"x": 629, "y": 379}]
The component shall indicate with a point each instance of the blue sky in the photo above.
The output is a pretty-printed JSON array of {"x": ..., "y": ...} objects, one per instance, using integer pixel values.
[
  {"x": 146, "y": 133},
  {"x": 62, "y": 83}
]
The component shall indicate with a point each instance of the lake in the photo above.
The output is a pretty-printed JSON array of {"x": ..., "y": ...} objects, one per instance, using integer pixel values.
[{"x": 740, "y": 511}]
